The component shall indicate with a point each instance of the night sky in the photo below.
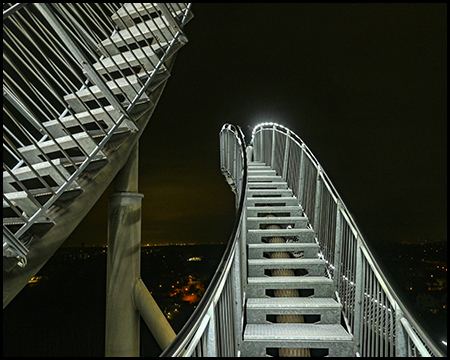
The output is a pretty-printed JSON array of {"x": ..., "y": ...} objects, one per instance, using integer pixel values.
[{"x": 365, "y": 86}]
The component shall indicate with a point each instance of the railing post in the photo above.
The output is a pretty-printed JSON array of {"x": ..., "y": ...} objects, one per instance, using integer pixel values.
[
  {"x": 359, "y": 300},
  {"x": 243, "y": 250},
  {"x": 286, "y": 156},
  {"x": 401, "y": 336},
  {"x": 261, "y": 155},
  {"x": 301, "y": 176},
  {"x": 123, "y": 264},
  {"x": 211, "y": 343},
  {"x": 337, "y": 247},
  {"x": 272, "y": 159},
  {"x": 237, "y": 297},
  {"x": 318, "y": 203}
]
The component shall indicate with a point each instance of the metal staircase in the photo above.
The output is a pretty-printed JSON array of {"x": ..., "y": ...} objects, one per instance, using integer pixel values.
[
  {"x": 296, "y": 278},
  {"x": 290, "y": 307},
  {"x": 80, "y": 84}
]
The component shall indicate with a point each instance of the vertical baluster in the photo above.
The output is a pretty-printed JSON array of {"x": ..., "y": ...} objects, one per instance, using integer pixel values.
[
  {"x": 337, "y": 247},
  {"x": 272, "y": 159},
  {"x": 318, "y": 201},
  {"x": 211, "y": 342},
  {"x": 301, "y": 176},
  {"x": 359, "y": 298},
  {"x": 401, "y": 336},
  {"x": 286, "y": 156}
]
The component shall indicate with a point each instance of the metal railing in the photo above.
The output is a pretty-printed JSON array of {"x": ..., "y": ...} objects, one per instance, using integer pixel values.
[
  {"x": 65, "y": 77},
  {"x": 215, "y": 327},
  {"x": 379, "y": 321}
]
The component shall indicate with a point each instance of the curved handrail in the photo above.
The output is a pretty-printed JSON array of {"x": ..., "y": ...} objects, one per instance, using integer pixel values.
[
  {"x": 190, "y": 335},
  {"x": 410, "y": 335}
]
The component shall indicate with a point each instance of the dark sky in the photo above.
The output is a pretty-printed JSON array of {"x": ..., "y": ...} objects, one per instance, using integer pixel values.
[{"x": 365, "y": 86}]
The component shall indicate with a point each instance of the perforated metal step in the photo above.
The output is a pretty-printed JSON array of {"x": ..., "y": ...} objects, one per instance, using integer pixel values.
[
  {"x": 258, "y": 310},
  {"x": 297, "y": 222},
  {"x": 257, "y": 235},
  {"x": 310, "y": 267},
  {"x": 258, "y": 338},
  {"x": 305, "y": 250},
  {"x": 317, "y": 286}
]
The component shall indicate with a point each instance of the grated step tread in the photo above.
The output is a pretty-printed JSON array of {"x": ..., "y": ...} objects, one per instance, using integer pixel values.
[
  {"x": 309, "y": 250},
  {"x": 285, "y": 332},
  {"x": 282, "y": 261},
  {"x": 293, "y": 302},
  {"x": 289, "y": 280}
]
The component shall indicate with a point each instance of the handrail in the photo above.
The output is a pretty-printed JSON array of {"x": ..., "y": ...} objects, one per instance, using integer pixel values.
[
  {"x": 373, "y": 310},
  {"x": 51, "y": 52},
  {"x": 199, "y": 332}
]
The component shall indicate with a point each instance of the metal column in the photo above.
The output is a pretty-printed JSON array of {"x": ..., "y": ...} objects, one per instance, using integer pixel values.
[
  {"x": 126, "y": 295},
  {"x": 124, "y": 261}
]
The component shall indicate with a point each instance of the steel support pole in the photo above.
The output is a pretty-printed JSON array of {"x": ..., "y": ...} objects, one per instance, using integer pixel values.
[
  {"x": 152, "y": 315},
  {"x": 123, "y": 264}
]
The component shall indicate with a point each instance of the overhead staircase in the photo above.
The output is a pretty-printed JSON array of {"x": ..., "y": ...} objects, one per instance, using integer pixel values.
[
  {"x": 290, "y": 309},
  {"x": 53, "y": 176}
]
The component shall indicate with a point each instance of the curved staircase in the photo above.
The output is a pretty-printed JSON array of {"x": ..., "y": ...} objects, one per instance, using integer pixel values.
[
  {"x": 81, "y": 82},
  {"x": 290, "y": 309}
]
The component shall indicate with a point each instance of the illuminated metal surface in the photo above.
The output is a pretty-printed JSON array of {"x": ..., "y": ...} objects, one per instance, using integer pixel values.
[{"x": 73, "y": 88}]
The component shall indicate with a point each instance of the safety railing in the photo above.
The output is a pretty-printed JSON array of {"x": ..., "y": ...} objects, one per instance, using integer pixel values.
[
  {"x": 374, "y": 313},
  {"x": 74, "y": 70},
  {"x": 215, "y": 327}
]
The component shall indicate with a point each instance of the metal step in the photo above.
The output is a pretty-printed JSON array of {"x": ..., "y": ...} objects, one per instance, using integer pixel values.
[
  {"x": 51, "y": 148},
  {"x": 258, "y": 165},
  {"x": 129, "y": 85},
  {"x": 275, "y": 201},
  {"x": 259, "y": 337},
  {"x": 305, "y": 250},
  {"x": 258, "y": 309},
  {"x": 39, "y": 228},
  {"x": 131, "y": 13},
  {"x": 264, "y": 178},
  {"x": 263, "y": 172},
  {"x": 258, "y": 267},
  {"x": 267, "y": 185},
  {"x": 22, "y": 201},
  {"x": 317, "y": 286},
  {"x": 144, "y": 30},
  {"x": 147, "y": 56},
  {"x": 105, "y": 117},
  {"x": 269, "y": 192},
  {"x": 297, "y": 222},
  {"x": 256, "y": 211},
  {"x": 28, "y": 178},
  {"x": 255, "y": 236}
]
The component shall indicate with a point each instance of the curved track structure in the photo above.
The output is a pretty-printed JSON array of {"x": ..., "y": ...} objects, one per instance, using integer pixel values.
[{"x": 80, "y": 83}]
